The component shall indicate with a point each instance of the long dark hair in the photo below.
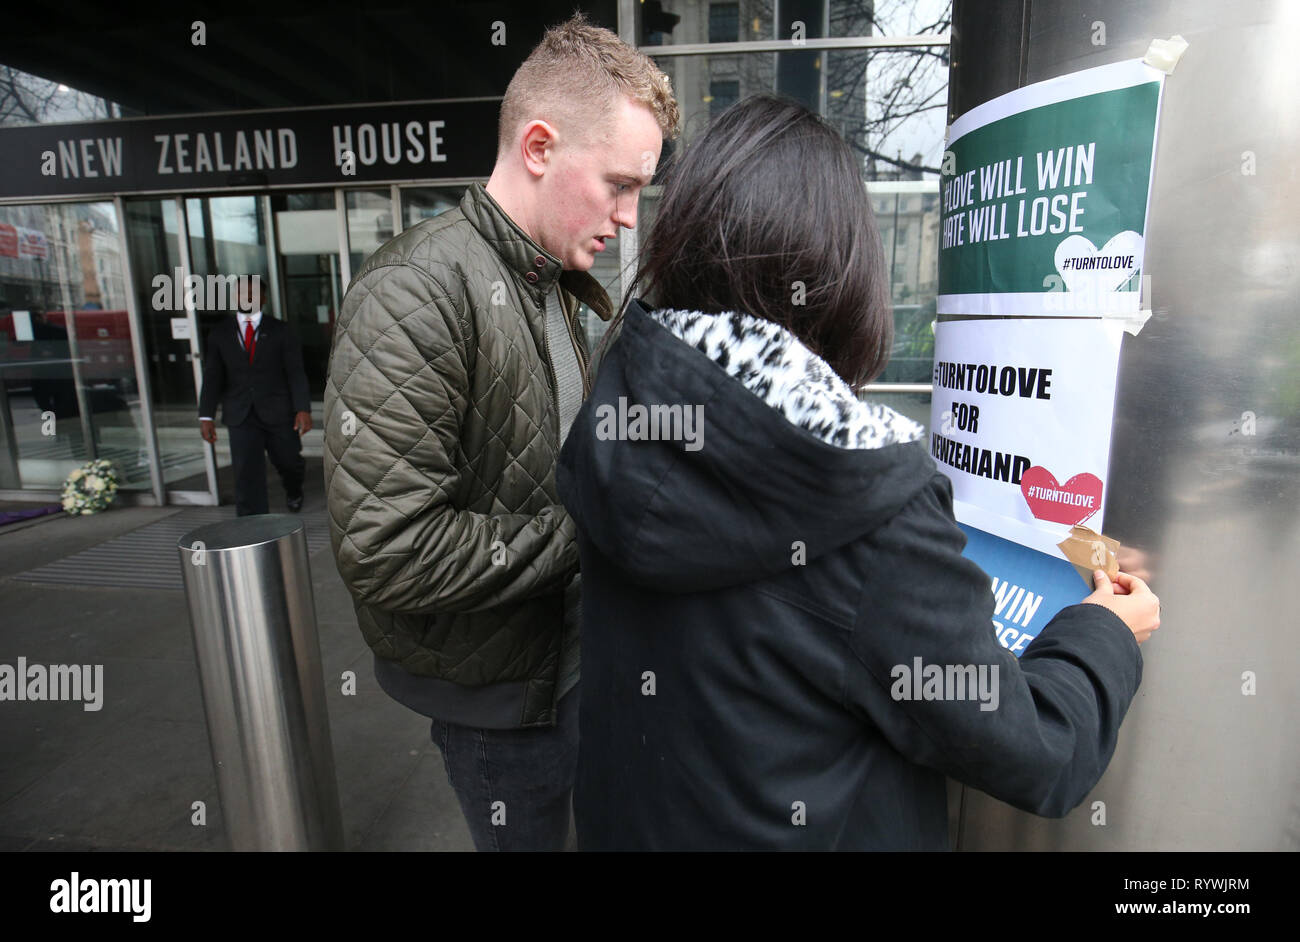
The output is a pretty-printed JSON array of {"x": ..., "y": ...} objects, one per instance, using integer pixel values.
[{"x": 765, "y": 213}]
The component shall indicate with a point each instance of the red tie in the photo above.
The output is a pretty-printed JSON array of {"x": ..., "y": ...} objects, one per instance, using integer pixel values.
[{"x": 249, "y": 343}]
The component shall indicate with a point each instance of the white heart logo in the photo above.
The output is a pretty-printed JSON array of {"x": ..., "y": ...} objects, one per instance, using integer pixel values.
[{"x": 1085, "y": 269}]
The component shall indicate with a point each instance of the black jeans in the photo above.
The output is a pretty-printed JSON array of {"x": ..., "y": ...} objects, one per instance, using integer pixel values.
[
  {"x": 514, "y": 785},
  {"x": 250, "y": 441}
]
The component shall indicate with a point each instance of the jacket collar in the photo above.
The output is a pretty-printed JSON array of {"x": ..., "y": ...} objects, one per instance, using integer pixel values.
[{"x": 524, "y": 256}]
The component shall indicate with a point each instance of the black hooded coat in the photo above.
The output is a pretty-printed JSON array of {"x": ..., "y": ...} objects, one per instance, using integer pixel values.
[{"x": 753, "y": 589}]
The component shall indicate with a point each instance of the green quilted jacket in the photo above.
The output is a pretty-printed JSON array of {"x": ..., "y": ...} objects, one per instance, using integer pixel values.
[{"x": 441, "y": 440}]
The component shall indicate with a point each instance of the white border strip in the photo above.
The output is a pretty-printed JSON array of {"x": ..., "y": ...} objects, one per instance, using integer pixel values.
[
  {"x": 1103, "y": 78},
  {"x": 1009, "y": 529},
  {"x": 1041, "y": 304}
]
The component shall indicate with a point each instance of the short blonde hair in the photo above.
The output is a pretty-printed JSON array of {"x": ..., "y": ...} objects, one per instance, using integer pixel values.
[{"x": 573, "y": 79}]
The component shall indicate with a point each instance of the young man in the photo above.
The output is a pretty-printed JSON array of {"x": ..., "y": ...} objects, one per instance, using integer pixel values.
[{"x": 457, "y": 366}]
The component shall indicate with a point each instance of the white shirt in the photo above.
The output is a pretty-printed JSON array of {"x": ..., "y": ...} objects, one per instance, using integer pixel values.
[{"x": 256, "y": 318}]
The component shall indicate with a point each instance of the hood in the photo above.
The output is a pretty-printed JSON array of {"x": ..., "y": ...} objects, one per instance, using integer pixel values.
[{"x": 716, "y": 449}]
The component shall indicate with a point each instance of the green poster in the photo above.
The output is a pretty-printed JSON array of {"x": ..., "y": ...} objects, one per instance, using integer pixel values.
[{"x": 1044, "y": 196}]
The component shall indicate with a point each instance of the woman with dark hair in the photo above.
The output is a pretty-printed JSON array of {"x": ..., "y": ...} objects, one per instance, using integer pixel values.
[{"x": 765, "y": 590}]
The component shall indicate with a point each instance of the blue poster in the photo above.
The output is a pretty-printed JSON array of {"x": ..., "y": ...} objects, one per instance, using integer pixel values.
[{"x": 1029, "y": 587}]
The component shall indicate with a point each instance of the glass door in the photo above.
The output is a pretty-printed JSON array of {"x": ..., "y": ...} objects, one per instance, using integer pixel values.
[
  {"x": 186, "y": 256},
  {"x": 227, "y": 241},
  {"x": 171, "y": 351},
  {"x": 310, "y": 273}
]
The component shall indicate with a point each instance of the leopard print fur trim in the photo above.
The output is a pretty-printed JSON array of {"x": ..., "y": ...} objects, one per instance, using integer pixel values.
[{"x": 775, "y": 366}]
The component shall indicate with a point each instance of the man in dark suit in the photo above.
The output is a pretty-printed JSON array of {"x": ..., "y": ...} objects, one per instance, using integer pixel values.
[{"x": 253, "y": 367}]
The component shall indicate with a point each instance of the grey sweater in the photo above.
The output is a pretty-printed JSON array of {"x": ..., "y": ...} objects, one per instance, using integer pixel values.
[{"x": 568, "y": 389}]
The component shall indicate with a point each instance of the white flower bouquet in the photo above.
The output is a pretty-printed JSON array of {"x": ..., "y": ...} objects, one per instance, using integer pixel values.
[{"x": 90, "y": 488}]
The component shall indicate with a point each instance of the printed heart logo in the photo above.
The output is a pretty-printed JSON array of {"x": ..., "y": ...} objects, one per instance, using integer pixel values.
[
  {"x": 1072, "y": 502},
  {"x": 1083, "y": 268}
]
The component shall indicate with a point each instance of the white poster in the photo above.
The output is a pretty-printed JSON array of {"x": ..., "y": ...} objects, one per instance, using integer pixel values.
[{"x": 1021, "y": 421}]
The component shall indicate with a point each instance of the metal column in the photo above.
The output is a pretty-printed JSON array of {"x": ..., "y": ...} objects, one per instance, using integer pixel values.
[
  {"x": 248, "y": 584},
  {"x": 1208, "y": 501}
]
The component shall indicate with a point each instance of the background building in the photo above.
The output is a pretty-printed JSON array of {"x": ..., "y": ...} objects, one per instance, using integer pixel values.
[{"x": 121, "y": 138}]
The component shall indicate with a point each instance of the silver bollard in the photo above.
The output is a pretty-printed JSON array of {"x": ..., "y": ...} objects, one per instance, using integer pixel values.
[{"x": 248, "y": 583}]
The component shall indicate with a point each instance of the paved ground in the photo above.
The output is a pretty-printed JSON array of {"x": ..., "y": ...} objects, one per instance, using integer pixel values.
[{"x": 126, "y": 777}]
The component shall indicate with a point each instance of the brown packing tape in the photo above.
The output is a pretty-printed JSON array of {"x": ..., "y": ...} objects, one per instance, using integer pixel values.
[
  {"x": 1084, "y": 533},
  {"x": 1088, "y": 550}
]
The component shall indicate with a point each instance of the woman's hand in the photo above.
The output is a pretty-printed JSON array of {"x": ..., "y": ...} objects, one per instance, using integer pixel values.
[{"x": 1131, "y": 599}]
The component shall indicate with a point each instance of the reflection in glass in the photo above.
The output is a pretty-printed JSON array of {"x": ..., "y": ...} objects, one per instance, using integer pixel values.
[
  {"x": 677, "y": 22},
  {"x": 68, "y": 391},
  {"x": 890, "y": 107},
  {"x": 227, "y": 238},
  {"x": 307, "y": 235},
  {"x": 907, "y": 213},
  {"x": 900, "y": 17},
  {"x": 370, "y": 223},
  {"x": 152, "y": 239},
  {"x": 916, "y": 406},
  {"x": 426, "y": 202}
]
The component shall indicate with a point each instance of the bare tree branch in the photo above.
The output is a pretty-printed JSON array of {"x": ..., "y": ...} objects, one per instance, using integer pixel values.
[{"x": 30, "y": 99}]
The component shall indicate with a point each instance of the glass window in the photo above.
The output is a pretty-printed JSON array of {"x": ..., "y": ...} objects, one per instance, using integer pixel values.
[
  {"x": 674, "y": 22},
  {"x": 370, "y": 223},
  {"x": 68, "y": 390},
  {"x": 916, "y": 406},
  {"x": 27, "y": 99},
  {"x": 890, "y": 106},
  {"x": 694, "y": 79},
  {"x": 606, "y": 272},
  {"x": 897, "y": 17},
  {"x": 425, "y": 202},
  {"x": 907, "y": 214},
  {"x": 657, "y": 23},
  {"x": 722, "y": 95},
  {"x": 724, "y": 22}
]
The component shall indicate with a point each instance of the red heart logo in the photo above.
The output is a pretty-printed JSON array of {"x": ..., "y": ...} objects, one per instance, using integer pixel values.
[{"x": 1072, "y": 502}]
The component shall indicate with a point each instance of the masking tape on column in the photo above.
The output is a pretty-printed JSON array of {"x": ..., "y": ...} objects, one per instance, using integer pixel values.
[{"x": 1163, "y": 54}]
